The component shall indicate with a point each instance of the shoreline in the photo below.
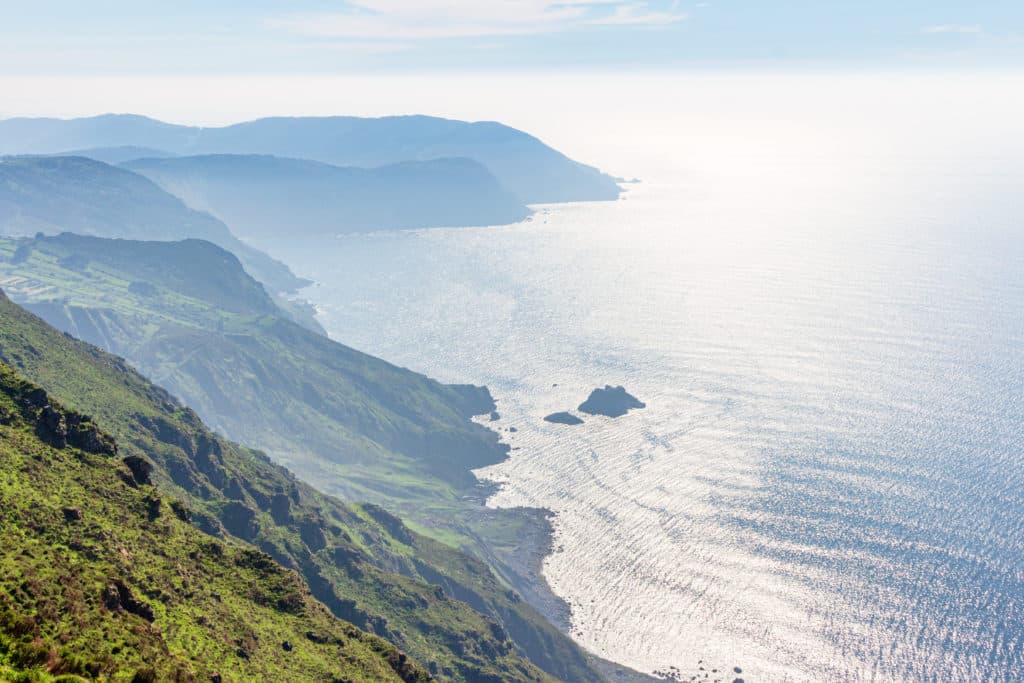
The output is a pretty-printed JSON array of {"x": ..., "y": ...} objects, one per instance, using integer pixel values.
[
  {"x": 526, "y": 560},
  {"x": 519, "y": 563}
]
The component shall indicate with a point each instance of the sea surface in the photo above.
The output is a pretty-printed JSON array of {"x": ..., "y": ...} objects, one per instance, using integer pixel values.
[{"x": 824, "y": 314}]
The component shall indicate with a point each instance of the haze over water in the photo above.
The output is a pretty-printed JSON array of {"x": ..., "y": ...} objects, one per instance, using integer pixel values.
[{"x": 818, "y": 290}]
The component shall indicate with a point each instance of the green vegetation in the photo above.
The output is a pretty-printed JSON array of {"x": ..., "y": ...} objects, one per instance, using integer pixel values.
[
  {"x": 445, "y": 609},
  {"x": 103, "y": 578},
  {"x": 190, "y": 318},
  {"x": 75, "y": 194}
]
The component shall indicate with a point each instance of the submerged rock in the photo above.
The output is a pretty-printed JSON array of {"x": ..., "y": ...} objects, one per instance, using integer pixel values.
[
  {"x": 611, "y": 402},
  {"x": 563, "y": 419}
]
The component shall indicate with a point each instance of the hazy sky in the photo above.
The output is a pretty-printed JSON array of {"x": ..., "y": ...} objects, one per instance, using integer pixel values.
[{"x": 142, "y": 37}]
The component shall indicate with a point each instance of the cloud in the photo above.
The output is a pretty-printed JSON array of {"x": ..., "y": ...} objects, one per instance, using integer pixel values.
[
  {"x": 640, "y": 13},
  {"x": 952, "y": 28},
  {"x": 403, "y": 20},
  {"x": 365, "y": 47}
]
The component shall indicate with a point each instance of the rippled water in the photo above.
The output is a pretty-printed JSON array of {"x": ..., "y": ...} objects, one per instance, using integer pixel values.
[{"x": 827, "y": 482}]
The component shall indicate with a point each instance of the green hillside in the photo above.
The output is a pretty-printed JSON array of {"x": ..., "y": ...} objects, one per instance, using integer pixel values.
[
  {"x": 103, "y": 578},
  {"x": 362, "y": 563},
  {"x": 74, "y": 194},
  {"x": 190, "y": 318}
]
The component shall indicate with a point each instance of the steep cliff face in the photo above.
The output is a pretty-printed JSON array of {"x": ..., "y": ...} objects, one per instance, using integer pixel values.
[
  {"x": 188, "y": 315},
  {"x": 367, "y": 567},
  {"x": 102, "y": 577}
]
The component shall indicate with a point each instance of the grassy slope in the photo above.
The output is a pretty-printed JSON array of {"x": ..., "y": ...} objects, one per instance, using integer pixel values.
[
  {"x": 57, "y": 194},
  {"x": 359, "y": 427},
  {"x": 367, "y": 569},
  {"x": 101, "y": 576}
]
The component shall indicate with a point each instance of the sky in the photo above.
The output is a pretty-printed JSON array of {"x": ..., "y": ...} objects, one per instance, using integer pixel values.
[
  {"x": 589, "y": 76},
  {"x": 75, "y": 38}
]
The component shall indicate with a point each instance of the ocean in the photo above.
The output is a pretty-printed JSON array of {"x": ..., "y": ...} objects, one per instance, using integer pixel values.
[{"x": 818, "y": 291}]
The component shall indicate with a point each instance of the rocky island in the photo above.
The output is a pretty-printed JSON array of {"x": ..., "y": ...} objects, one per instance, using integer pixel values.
[
  {"x": 563, "y": 418},
  {"x": 611, "y": 402}
]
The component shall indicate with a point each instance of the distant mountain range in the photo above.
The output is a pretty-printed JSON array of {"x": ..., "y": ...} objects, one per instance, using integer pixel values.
[
  {"x": 74, "y": 194},
  {"x": 154, "y": 273},
  {"x": 117, "y": 155},
  {"x": 529, "y": 169},
  {"x": 269, "y": 200}
]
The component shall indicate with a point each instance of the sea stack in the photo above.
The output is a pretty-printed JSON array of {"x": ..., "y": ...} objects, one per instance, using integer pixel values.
[
  {"x": 611, "y": 402},
  {"x": 563, "y": 418}
]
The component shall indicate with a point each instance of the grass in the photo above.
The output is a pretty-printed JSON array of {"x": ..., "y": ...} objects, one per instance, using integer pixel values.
[
  {"x": 446, "y": 610},
  {"x": 359, "y": 427},
  {"x": 101, "y": 578}
]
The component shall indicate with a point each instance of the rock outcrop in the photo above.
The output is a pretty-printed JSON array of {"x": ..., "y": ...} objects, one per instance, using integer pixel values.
[
  {"x": 563, "y": 418},
  {"x": 610, "y": 402}
]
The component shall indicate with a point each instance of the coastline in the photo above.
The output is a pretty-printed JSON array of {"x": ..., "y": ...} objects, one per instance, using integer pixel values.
[
  {"x": 525, "y": 565},
  {"x": 513, "y": 542},
  {"x": 524, "y": 562}
]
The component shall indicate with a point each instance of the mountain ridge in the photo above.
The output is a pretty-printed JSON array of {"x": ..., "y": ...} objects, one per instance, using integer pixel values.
[
  {"x": 532, "y": 170},
  {"x": 76, "y": 194},
  {"x": 279, "y": 202}
]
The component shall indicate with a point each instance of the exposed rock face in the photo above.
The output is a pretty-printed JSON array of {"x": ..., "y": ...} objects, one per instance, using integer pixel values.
[
  {"x": 611, "y": 402},
  {"x": 312, "y": 534},
  {"x": 52, "y": 427},
  {"x": 60, "y": 428},
  {"x": 281, "y": 508},
  {"x": 181, "y": 511},
  {"x": 140, "y": 469},
  {"x": 563, "y": 418},
  {"x": 84, "y": 435},
  {"x": 118, "y": 598},
  {"x": 392, "y": 524},
  {"x": 474, "y": 400},
  {"x": 240, "y": 520},
  {"x": 153, "y": 505}
]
